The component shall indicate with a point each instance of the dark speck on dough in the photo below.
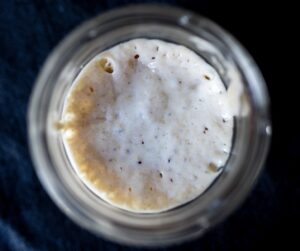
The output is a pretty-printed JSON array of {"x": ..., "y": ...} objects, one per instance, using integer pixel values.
[
  {"x": 224, "y": 121},
  {"x": 153, "y": 57},
  {"x": 140, "y": 162},
  {"x": 171, "y": 180},
  {"x": 207, "y": 77},
  {"x": 136, "y": 56},
  {"x": 169, "y": 160},
  {"x": 160, "y": 175},
  {"x": 212, "y": 168}
]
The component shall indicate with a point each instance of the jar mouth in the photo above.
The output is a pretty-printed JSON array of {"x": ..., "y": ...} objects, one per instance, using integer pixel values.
[{"x": 175, "y": 225}]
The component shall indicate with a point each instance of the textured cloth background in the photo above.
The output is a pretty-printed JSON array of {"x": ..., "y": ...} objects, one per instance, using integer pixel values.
[{"x": 28, "y": 218}]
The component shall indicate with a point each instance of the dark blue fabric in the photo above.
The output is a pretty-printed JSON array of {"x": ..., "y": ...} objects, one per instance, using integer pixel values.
[{"x": 29, "y": 220}]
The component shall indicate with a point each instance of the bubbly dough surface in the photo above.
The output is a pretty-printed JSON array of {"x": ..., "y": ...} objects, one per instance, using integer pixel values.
[{"x": 147, "y": 125}]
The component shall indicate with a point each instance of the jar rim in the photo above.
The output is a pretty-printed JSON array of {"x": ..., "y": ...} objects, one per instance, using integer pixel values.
[{"x": 115, "y": 227}]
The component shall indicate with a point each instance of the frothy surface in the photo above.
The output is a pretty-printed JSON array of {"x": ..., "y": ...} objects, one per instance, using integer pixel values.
[{"x": 147, "y": 125}]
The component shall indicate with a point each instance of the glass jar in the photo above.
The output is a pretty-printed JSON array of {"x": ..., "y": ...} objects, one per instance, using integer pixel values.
[{"x": 251, "y": 131}]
